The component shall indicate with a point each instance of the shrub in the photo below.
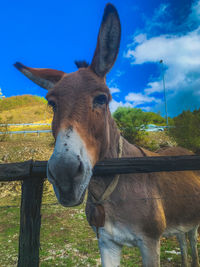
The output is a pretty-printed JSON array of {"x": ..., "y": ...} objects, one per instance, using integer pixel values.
[
  {"x": 129, "y": 121},
  {"x": 186, "y": 130}
]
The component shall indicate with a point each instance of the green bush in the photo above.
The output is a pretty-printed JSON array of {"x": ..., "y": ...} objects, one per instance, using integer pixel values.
[
  {"x": 129, "y": 121},
  {"x": 186, "y": 130}
]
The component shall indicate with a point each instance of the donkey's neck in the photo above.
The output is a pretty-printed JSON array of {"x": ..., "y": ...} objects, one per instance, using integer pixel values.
[
  {"x": 113, "y": 144},
  {"x": 128, "y": 150},
  {"x": 98, "y": 184}
]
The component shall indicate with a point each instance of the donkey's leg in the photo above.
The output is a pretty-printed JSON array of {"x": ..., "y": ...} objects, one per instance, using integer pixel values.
[
  {"x": 192, "y": 235},
  {"x": 110, "y": 253},
  {"x": 183, "y": 246},
  {"x": 150, "y": 250}
]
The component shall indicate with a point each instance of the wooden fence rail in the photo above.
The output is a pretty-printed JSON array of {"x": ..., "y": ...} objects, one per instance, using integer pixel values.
[
  {"x": 29, "y": 169},
  {"x": 33, "y": 173}
]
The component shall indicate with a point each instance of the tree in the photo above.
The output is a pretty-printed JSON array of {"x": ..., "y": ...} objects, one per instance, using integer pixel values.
[
  {"x": 186, "y": 130},
  {"x": 129, "y": 121}
]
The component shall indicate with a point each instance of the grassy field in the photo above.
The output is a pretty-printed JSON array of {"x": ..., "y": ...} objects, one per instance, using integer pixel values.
[
  {"x": 24, "y": 109},
  {"x": 66, "y": 238}
]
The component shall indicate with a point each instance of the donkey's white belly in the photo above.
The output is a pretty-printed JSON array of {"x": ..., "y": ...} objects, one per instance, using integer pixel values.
[
  {"x": 120, "y": 234},
  {"x": 123, "y": 235}
]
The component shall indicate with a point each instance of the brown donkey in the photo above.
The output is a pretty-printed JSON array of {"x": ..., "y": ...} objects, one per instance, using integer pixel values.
[{"x": 139, "y": 208}]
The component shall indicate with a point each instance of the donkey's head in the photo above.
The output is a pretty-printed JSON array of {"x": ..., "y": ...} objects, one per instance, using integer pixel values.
[{"x": 81, "y": 114}]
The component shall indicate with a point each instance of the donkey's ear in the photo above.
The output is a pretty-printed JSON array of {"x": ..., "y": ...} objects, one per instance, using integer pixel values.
[
  {"x": 108, "y": 42},
  {"x": 46, "y": 78}
]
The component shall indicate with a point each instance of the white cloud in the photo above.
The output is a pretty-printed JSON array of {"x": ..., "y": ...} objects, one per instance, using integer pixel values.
[
  {"x": 181, "y": 57},
  {"x": 134, "y": 100},
  {"x": 146, "y": 108},
  {"x": 183, "y": 51},
  {"x": 114, "y": 105},
  {"x": 114, "y": 90},
  {"x": 153, "y": 87},
  {"x": 140, "y": 99},
  {"x": 140, "y": 38}
]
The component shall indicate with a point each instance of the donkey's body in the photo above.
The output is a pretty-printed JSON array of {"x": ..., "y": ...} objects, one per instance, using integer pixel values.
[{"x": 143, "y": 207}]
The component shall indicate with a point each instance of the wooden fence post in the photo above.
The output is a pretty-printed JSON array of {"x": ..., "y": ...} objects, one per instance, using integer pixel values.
[{"x": 30, "y": 221}]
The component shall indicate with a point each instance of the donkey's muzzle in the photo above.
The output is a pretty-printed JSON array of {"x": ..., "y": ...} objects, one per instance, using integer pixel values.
[{"x": 69, "y": 168}]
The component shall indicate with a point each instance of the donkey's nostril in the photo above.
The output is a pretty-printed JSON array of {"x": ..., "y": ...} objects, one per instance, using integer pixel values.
[{"x": 80, "y": 168}]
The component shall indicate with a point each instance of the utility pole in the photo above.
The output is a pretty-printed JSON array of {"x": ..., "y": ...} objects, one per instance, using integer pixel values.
[{"x": 163, "y": 77}]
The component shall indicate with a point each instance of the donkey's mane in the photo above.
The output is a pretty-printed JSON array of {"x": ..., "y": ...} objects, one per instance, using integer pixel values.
[{"x": 81, "y": 64}]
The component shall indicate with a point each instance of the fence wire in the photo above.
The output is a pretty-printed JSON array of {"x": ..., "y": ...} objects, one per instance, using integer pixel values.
[
  {"x": 108, "y": 200},
  {"x": 18, "y": 206}
]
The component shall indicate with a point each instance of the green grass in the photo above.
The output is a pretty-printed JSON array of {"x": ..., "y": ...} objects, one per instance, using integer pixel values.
[{"x": 66, "y": 237}]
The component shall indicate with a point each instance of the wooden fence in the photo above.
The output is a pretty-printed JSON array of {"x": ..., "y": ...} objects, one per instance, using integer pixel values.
[
  {"x": 38, "y": 132},
  {"x": 33, "y": 173}
]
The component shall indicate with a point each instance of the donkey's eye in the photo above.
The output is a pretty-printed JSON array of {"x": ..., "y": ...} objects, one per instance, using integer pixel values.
[
  {"x": 52, "y": 104},
  {"x": 100, "y": 100}
]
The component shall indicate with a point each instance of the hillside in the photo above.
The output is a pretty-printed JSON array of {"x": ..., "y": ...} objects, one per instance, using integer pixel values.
[{"x": 24, "y": 109}]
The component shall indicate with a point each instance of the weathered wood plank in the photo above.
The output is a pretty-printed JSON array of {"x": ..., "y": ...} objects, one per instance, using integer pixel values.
[
  {"x": 15, "y": 171},
  {"x": 30, "y": 221},
  {"x": 147, "y": 164},
  {"x": 39, "y": 168},
  {"x": 23, "y": 170}
]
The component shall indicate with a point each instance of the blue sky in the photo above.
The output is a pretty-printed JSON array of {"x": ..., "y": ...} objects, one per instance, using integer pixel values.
[{"x": 52, "y": 34}]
